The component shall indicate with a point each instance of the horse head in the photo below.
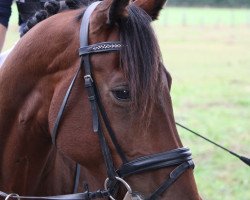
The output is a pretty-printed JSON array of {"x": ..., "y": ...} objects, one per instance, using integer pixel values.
[
  {"x": 126, "y": 132},
  {"x": 132, "y": 90}
]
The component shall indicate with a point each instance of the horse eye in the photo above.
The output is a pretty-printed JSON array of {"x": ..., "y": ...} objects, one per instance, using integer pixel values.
[{"x": 121, "y": 94}]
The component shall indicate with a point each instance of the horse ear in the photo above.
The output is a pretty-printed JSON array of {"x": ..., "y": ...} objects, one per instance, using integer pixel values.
[
  {"x": 152, "y": 7},
  {"x": 117, "y": 10}
]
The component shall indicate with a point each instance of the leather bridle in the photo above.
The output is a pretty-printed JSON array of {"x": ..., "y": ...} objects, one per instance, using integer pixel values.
[{"x": 180, "y": 157}]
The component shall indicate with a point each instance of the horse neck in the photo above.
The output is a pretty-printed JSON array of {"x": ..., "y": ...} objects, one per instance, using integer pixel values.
[{"x": 28, "y": 163}]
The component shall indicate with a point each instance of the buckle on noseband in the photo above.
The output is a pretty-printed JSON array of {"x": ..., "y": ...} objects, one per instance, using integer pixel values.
[{"x": 12, "y": 195}]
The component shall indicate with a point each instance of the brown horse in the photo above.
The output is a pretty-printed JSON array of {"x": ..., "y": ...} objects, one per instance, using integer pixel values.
[{"x": 133, "y": 88}]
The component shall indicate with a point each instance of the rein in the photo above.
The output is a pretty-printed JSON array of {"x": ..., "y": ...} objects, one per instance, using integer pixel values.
[
  {"x": 180, "y": 157},
  {"x": 244, "y": 159},
  {"x": 78, "y": 196}
]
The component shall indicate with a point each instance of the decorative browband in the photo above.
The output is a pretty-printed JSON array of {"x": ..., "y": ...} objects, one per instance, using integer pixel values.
[{"x": 100, "y": 47}]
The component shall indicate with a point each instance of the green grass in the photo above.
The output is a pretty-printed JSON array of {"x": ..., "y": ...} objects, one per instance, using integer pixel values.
[
  {"x": 210, "y": 66},
  {"x": 207, "y": 53},
  {"x": 205, "y": 16}
]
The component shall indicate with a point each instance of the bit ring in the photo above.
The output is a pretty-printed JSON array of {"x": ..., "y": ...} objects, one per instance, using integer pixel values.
[
  {"x": 16, "y": 196},
  {"x": 129, "y": 190}
]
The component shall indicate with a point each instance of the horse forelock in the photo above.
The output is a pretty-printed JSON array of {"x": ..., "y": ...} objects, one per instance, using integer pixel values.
[{"x": 140, "y": 61}]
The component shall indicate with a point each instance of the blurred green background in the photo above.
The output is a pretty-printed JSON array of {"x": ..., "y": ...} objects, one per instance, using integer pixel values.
[{"x": 207, "y": 51}]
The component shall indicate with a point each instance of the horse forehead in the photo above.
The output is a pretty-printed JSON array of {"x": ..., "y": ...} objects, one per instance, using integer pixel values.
[
  {"x": 100, "y": 31},
  {"x": 106, "y": 64}
]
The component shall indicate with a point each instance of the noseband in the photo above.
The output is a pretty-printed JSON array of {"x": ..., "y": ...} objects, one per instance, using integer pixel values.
[{"x": 179, "y": 158}]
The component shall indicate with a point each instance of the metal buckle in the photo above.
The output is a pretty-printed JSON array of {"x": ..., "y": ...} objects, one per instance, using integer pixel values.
[
  {"x": 88, "y": 77},
  {"x": 129, "y": 190},
  {"x": 16, "y": 196},
  {"x": 88, "y": 81}
]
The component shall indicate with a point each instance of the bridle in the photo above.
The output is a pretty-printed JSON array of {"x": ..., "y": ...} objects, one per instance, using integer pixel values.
[{"x": 180, "y": 157}]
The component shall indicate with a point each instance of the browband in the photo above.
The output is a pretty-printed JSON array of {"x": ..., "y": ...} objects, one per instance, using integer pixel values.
[
  {"x": 100, "y": 48},
  {"x": 85, "y": 48}
]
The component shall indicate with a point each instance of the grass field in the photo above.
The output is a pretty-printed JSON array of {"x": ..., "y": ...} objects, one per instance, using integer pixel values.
[{"x": 207, "y": 52}]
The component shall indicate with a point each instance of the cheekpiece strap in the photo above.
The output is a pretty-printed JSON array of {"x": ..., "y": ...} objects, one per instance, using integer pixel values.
[
  {"x": 90, "y": 85},
  {"x": 84, "y": 31}
]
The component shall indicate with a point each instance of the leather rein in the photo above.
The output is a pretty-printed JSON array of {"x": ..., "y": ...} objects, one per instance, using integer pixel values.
[{"x": 180, "y": 157}]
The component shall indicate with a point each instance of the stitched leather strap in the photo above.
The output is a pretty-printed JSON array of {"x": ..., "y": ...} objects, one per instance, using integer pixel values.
[
  {"x": 84, "y": 31},
  {"x": 90, "y": 86},
  {"x": 77, "y": 177},
  {"x": 109, "y": 128},
  {"x": 84, "y": 51},
  {"x": 155, "y": 161},
  {"x": 62, "y": 108},
  {"x": 174, "y": 175}
]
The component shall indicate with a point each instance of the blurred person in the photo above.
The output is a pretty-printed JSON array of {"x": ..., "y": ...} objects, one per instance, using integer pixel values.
[
  {"x": 30, "y": 12},
  {"x": 26, "y": 9}
]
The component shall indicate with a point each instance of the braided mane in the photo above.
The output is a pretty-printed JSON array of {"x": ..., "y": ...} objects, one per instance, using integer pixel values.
[{"x": 52, "y": 7}]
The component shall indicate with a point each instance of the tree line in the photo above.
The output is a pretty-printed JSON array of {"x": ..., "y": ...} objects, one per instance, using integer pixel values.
[{"x": 213, "y": 3}]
